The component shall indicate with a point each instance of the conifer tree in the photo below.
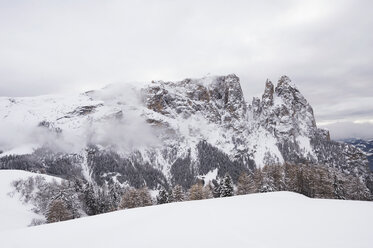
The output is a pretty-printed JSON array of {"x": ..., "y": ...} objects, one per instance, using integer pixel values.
[
  {"x": 162, "y": 197},
  {"x": 115, "y": 195},
  {"x": 90, "y": 200},
  {"x": 57, "y": 211},
  {"x": 291, "y": 183},
  {"x": 104, "y": 203},
  {"x": 133, "y": 198},
  {"x": 144, "y": 197},
  {"x": 177, "y": 194},
  {"x": 226, "y": 187},
  {"x": 258, "y": 180},
  {"x": 216, "y": 190},
  {"x": 243, "y": 184},
  {"x": 207, "y": 192},
  {"x": 356, "y": 189},
  {"x": 277, "y": 174},
  {"x": 322, "y": 183},
  {"x": 129, "y": 199},
  {"x": 196, "y": 192},
  {"x": 338, "y": 187},
  {"x": 67, "y": 194}
]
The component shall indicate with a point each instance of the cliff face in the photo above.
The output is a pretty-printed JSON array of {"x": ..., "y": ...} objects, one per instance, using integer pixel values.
[{"x": 197, "y": 126}]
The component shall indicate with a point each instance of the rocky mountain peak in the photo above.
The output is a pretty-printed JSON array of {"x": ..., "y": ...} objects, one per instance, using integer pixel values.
[
  {"x": 284, "y": 80},
  {"x": 291, "y": 96},
  {"x": 219, "y": 98},
  {"x": 283, "y": 110},
  {"x": 286, "y": 88}
]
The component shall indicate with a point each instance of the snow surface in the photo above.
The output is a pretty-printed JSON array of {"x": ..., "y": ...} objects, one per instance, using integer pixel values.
[
  {"x": 264, "y": 146},
  {"x": 13, "y": 213},
  {"x": 210, "y": 176},
  {"x": 305, "y": 146},
  {"x": 281, "y": 219}
]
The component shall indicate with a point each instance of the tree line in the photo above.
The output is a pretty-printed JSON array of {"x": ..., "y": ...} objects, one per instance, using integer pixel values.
[{"x": 59, "y": 201}]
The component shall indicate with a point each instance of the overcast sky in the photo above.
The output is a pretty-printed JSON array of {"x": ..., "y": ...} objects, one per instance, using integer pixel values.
[{"x": 325, "y": 47}]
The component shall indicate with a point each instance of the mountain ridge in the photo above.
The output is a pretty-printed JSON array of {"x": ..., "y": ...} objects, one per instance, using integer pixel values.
[{"x": 173, "y": 132}]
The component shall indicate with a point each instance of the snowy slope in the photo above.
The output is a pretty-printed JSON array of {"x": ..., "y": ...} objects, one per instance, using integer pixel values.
[
  {"x": 13, "y": 213},
  {"x": 279, "y": 219}
]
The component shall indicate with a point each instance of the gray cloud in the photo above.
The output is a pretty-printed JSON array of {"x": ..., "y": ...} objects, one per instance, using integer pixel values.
[
  {"x": 343, "y": 130},
  {"x": 70, "y": 46}
]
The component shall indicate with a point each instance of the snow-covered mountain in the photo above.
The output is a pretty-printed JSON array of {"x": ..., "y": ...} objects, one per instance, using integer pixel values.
[
  {"x": 366, "y": 145},
  {"x": 168, "y": 132},
  {"x": 280, "y": 219}
]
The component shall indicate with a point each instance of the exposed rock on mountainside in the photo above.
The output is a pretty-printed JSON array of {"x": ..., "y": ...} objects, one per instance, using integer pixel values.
[{"x": 171, "y": 132}]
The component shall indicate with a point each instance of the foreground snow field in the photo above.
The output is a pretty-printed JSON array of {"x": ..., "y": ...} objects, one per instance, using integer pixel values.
[
  {"x": 14, "y": 213},
  {"x": 281, "y": 219}
]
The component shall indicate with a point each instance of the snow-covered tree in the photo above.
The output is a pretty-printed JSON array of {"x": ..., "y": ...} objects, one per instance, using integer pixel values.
[
  {"x": 162, "y": 197},
  {"x": 226, "y": 187},
  {"x": 90, "y": 200},
  {"x": 339, "y": 186},
  {"x": 216, "y": 189},
  {"x": 356, "y": 189},
  {"x": 67, "y": 194},
  {"x": 267, "y": 181},
  {"x": 104, "y": 203},
  {"x": 115, "y": 194}
]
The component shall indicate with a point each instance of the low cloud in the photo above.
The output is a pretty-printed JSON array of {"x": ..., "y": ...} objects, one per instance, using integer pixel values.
[
  {"x": 32, "y": 137},
  {"x": 125, "y": 135},
  {"x": 123, "y": 130}
]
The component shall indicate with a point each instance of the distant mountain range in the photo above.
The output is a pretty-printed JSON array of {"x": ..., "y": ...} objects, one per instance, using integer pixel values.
[{"x": 167, "y": 133}]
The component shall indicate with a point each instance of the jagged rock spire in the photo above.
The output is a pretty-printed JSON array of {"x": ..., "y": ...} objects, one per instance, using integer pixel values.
[{"x": 267, "y": 97}]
